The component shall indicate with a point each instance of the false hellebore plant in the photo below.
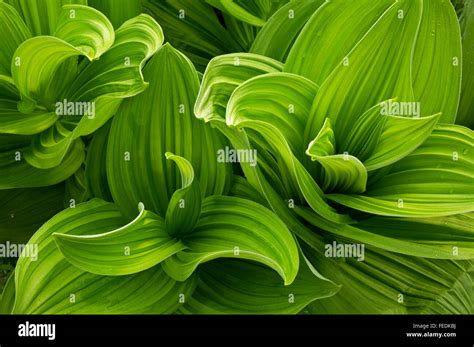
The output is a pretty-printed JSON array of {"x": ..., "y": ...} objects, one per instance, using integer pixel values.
[{"x": 349, "y": 106}]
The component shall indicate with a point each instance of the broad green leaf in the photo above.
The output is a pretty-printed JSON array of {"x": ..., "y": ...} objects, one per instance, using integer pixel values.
[
  {"x": 13, "y": 121},
  {"x": 236, "y": 228},
  {"x": 242, "y": 32},
  {"x": 441, "y": 238},
  {"x": 118, "y": 72},
  {"x": 281, "y": 99},
  {"x": 13, "y": 32},
  {"x": 52, "y": 285},
  {"x": 330, "y": 34},
  {"x": 434, "y": 180},
  {"x": 136, "y": 165},
  {"x": 398, "y": 137},
  {"x": 185, "y": 204},
  {"x": 86, "y": 29},
  {"x": 466, "y": 104},
  {"x": 95, "y": 165},
  {"x": 356, "y": 84},
  {"x": 194, "y": 28},
  {"x": 390, "y": 283},
  {"x": 223, "y": 75},
  {"x": 15, "y": 172},
  {"x": 103, "y": 84},
  {"x": 118, "y": 11},
  {"x": 270, "y": 125},
  {"x": 41, "y": 16},
  {"x": 436, "y": 67},
  {"x": 135, "y": 247},
  {"x": 23, "y": 211},
  {"x": 241, "y": 287},
  {"x": 35, "y": 62},
  {"x": 277, "y": 36},
  {"x": 341, "y": 172}
]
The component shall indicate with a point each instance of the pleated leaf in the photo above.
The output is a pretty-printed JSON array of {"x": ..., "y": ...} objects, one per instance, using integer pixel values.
[
  {"x": 52, "y": 285},
  {"x": 185, "y": 203},
  {"x": 240, "y": 287},
  {"x": 137, "y": 246},
  {"x": 278, "y": 34},
  {"x": 434, "y": 180},
  {"x": 231, "y": 227},
  {"x": 161, "y": 120},
  {"x": 223, "y": 75},
  {"x": 13, "y": 32}
]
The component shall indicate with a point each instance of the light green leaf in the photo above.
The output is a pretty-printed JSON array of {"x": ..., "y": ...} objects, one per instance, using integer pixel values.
[
  {"x": 236, "y": 228},
  {"x": 434, "y": 180},
  {"x": 19, "y": 174},
  {"x": 86, "y": 29},
  {"x": 13, "y": 32},
  {"x": 243, "y": 10},
  {"x": 277, "y": 36},
  {"x": 241, "y": 287},
  {"x": 137, "y": 246},
  {"x": 436, "y": 67},
  {"x": 52, "y": 285},
  {"x": 356, "y": 84},
  {"x": 136, "y": 165},
  {"x": 95, "y": 165},
  {"x": 466, "y": 104},
  {"x": 41, "y": 16},
  {"x": 440, "y": 238},
  {"x": 223, "y": 75},
  {"x": 185, "y": 204},
  {"x": 330, "y": 34}
]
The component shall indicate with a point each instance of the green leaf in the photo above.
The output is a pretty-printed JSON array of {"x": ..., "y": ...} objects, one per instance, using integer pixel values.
[
  {"x": 434, "y": 180},
  {"x": 19, "y": 174},
  {"x": 466, "y": 104},
  {"x": 236, "y": 228},
  {"x": 52, "y": 285},
  {"x": 13, "y": 121},
  {"x": 118, "y": 11},
  {"x": 136, "y": 165},
  {"x": 436, "y": 67},
  {"x": 277, "y": 36},
  {"x": 235, "y": 9},
  {"x": 185, "y": 204},
  {"x": 241, "y": 287},
  {"x": 86, "y": 29},
  {"x": 356, "y": 84},
  {"x": 390, "y": 283},
  {"x": 41, "y": 16},
  {"x": 137, "y": 246},
  {"x": 95, "y": 165},
  {"x": 103, "y": 83},
  {"x": 223, "y": 75},
  {"x": 335, "y": 28},
  {"x": 410, "y": 236},
  {"x": 272, "y": 122},
  {"x": 13, "y": 32}
]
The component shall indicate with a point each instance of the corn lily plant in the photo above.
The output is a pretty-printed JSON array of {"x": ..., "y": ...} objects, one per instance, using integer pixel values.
[{"x": 316, "y": 128}]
